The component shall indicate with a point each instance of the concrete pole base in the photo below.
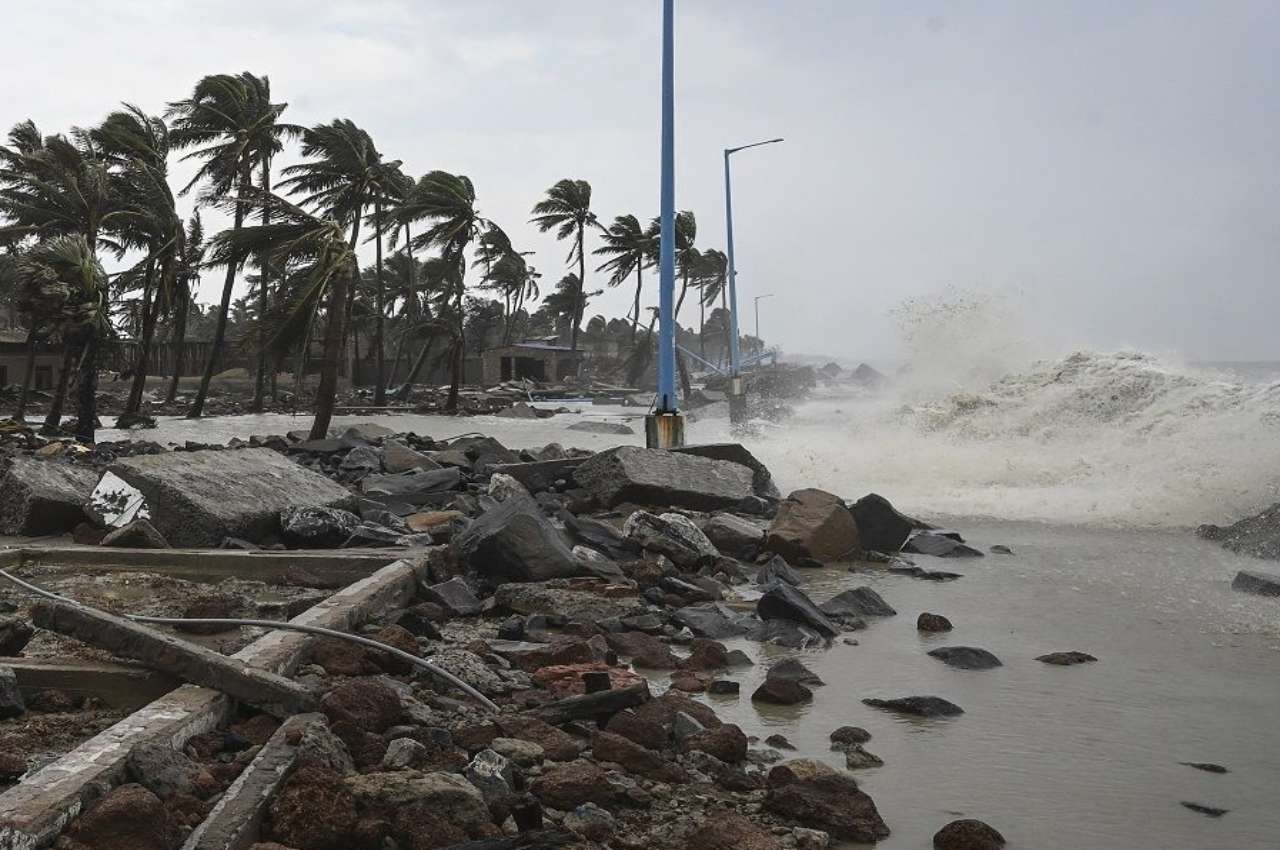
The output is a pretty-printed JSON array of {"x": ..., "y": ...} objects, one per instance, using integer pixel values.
[
  {"x": 737, "y": 402},
  {"x": 664, "y": 430}
]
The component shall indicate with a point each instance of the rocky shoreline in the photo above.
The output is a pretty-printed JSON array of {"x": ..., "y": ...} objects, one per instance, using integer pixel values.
[{"x": 563, "y": 585}]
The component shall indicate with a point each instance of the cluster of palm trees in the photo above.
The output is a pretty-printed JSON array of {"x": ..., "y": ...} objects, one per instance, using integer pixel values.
[{"x": 69, "y": 200}]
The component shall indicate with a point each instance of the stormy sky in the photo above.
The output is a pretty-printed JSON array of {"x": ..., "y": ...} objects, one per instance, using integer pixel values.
[{"x": 1107, "y": 169}]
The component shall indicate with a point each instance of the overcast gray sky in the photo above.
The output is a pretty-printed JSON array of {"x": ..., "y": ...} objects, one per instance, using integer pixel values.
[{"x": 1112, "y": 165}]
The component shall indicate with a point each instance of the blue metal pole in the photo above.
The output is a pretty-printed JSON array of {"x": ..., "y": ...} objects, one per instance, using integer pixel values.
[
  {"x": 667, "y": 249},
  {"x": 735, "y": 356}
]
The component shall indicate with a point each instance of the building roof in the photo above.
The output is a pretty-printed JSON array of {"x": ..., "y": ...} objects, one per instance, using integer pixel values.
[{"x": 13, "y": 335}]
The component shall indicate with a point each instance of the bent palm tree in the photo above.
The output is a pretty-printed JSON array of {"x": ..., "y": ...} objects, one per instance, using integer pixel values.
[
  {"x": 327, "y": 268},
  {"x": 448, "y": 203},
  {"x": 567, "y": 208},
  {"x": 234, "y": 126},
  {"x": 629, "y": 247}
]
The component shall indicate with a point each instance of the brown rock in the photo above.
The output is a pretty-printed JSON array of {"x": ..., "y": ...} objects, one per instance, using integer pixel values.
[
  {"x": 369, "y": 705},
  {"x": 342, "y": 658},
  {"x": 570, "y": 786},
  {"x": 732, "y": 831},
  {"x": 257, "y": 729},
  {"x": 400, "y": 638},
  {"x": 728, "y": 743},
  {"x": 431, "y": 522},
  {"x": 644, "y": 650},
  {"x": 706, "y": 655},
  {"x": 313, "y": 811},
  {"x": 782, "y": 692},
  {"x": 663, "y": 710},
  {"x": 933, "y": 623},
  {"x": 560, "y": 652},
  {"x": 691, "y": 682},
  {"x": 12, "y": 766},
  {"x": 366, "y": 748},
  {"x": 646, "y": 733},
  {"x": 566, "y": 679},
  {"x": 846, "y": 736},
  {"x": 129, "y": 818},
  {"x": 821, "y": 797},
  {"x": 812, "y": 523},
  {"x": 634, "y": 758},
  {"x": 968, "y": 835}
]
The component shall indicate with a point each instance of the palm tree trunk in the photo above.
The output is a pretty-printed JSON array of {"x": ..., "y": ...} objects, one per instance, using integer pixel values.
[
  {"x": 259, "y": 381},
  {"x": 348, "y": 325},
  {"x": 219, "y": 329},
  {"x": 459, "y": 354},
  {"x": 179, "y": 343},
  {"x": 333, "y": 337},
  {"x": 578, "y": 307},
  {"x": 20, "y": 415},
  {"x": 403, "y": 393},
  {"x": 87, "y": 392},
  {"x": 53, "y": 420},
  {"x": 684, "y": 288},
  {"x": 702, "y": 327},
  {"x": 728, "y": 325},
  {"x": 380, "y": 389},
  {"x": 395, "y": 361},
  {"x": 134, "y": 403},
  {"x": 635, "y": 310}
]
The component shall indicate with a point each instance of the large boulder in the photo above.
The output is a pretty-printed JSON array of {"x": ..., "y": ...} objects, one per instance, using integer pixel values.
[
  {"x": 812, "y": 524},
  {"x": 671, "y": 534},
  {"x": 201, "y": 498},
  {"x": 659, "y": 477},
  {"x": 711, "y": 620},
  {"x": 313, "y": 811},
  {"x": 43, "y": 497},
  {"x": 856, "y": 602},
  {"x": 783, "y": 601},
  {"x": 968, "y": 834},
  {"x": 761, "y": 479},
  {"x": 880, "y": 527},
  {"x": 513, "y": 541},
  {"x": 821, "y": 797},
  {"x": 570, "y": 786},
  {"x": 128, "y": 818},
  {"x": 15, "y": 634}
]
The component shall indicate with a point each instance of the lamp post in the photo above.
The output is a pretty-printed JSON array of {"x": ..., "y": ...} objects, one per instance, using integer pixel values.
[
  {"x": 757, "y": 300},
  {"x": 664, "y": 428},
  {"x": 737, "y": 407}
]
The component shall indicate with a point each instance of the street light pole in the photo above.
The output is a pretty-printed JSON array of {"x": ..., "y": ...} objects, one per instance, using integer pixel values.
[
  {"x": 665, "y": 427},
  {"x": 737, "y": 406},
  {"x": 757, "y": 300}
]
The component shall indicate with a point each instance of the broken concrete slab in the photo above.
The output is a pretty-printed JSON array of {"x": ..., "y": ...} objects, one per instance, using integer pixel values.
[
  {"x": 200, "y": 498},
  {"x": 43, "y": 497},
  {"x": 658, "y": 477},
  {"x": 413, "y": 487},
  {"x": 397, "y": 457}
]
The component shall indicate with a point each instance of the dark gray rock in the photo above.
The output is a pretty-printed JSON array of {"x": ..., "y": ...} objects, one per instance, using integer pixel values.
[
  {"x": 200, "y": 498},
  {"x": 513, "y": 541},
  {"x": 1207, "y": 811},
  {"x": 1207, "y": 767},
  {"x": 362, "y": 459},
  {"x": 139, "y": 534},
  {"x": 918, "y": 706},
  {"x": 966, "y": 657},
  {"x": 855, "y": 603},
  {"x": 968, "y": 835},
  {"x": 848, "y": 736},
  {"x": 1258, "y": 535},
  {"x": 413, "y": 487},
  {"x": 782, "y": 692},
  {"x": 785, "y": 633},
  {"x": 314, "y": 527},
  {"x": 671, "y": 534},
  {"x": 600, "y": 536},
  {"x": 761, "y": 481},
  {"x": 15, "y": 634},
  {"x": 777, "y": 569},
  {"x": 11, "y": 704},
  {"x": 595, "y": 427},
  {"x": 398, "y": 457},
  {"x": 1066, "y": 659},
  {"x": 711, "y": 620},
  {"x": 785, "y": 602},
  {"x": 43, "y": 496},
  {"x": 454, "y": 596},
  {"x": 658, "y": 477},
  {"x": 792, "y": 669},
  {"x": 1261, "y": 584},
  {"x": 723, "y": 687},
  {"x": 732, "y": 534},
  {"x": 940, "y": 546},
  {"x": 880, "y": 527},
  {"x": 927, "y": 622},
  {"x": 541, "y": 475}
]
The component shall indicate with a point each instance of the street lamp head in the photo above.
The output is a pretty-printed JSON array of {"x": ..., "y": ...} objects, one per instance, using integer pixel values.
[{"x": 728, "y": 151}]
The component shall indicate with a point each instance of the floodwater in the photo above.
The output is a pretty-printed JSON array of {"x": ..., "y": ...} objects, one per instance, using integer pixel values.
[{"x": 1095, "y": 471}]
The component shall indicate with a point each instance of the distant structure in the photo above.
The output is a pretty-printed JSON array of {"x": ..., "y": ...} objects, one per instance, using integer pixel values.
[{"x": 534, "y": 360}]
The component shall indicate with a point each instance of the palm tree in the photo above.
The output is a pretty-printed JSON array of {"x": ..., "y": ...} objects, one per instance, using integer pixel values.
[
  {"x": 629, "y": 247},
  {"x": 567, "y": 207},
  {"x": 712, "y": 273},
  {"x": 326, "y": 263},
  {"x": 448, "y": 202},
  {"x": 64, "y": 271},
  {"x": 139, "y": 145},
  {"x": 234, "y": 127},
  {"x": 186, "y": 283},
  {"x": 57, "y": 186},
  {"x": 344, "y": 177}
]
